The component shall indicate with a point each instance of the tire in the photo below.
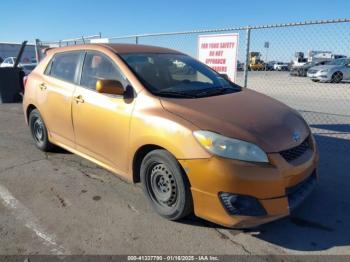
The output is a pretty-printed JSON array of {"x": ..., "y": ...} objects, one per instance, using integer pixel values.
[
  {"x": 165, "y": 185},
  {"x": 39, "y": 131},
  {"x": 337, "y": 77}
]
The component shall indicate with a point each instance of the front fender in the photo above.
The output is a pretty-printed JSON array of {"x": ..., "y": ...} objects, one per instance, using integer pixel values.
[
  {"x": 152, "y": 125},
  {"x": 168, "y": 133}
]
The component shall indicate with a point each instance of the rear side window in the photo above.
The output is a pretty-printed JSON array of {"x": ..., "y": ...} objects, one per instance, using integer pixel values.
[
  {"x": 64, "y": 66},
  {"x": 98, "y": 66}
]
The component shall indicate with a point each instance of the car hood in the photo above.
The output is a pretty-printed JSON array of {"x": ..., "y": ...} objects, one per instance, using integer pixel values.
[{"x": 245, "y": 115}]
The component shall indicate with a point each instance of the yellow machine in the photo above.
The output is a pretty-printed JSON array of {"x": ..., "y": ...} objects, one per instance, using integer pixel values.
[{"x": 255, "y": 61}]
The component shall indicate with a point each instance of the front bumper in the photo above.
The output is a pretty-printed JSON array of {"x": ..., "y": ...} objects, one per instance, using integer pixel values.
[
  {"x": 278, "y": 186},
  {"x": 319, "y": 77}
]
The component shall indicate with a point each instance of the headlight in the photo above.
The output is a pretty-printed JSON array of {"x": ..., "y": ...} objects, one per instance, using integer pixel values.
[
  {"x": 230, "y": 147},
  {"x": 324, "y": 71}
]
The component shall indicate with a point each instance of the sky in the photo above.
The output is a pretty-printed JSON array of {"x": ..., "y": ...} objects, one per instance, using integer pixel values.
[
  {"x": 50, "y": 20},
  {"x": 62, "y": 19}
]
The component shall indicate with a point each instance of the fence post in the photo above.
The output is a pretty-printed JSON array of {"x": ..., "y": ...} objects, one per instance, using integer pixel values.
[
  {"x": 37, "y": 50},
  {"x": 246, "y": 65},
  {"x": 136, "y": 40}
]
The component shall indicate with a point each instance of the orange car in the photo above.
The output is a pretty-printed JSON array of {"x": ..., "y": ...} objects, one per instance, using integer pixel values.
[{"x": 196, "y": 141}]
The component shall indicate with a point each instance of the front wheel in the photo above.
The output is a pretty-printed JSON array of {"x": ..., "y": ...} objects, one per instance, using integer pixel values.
[
  {"x": 166, "y": 185},
  {"x": 337, "y": 77}
]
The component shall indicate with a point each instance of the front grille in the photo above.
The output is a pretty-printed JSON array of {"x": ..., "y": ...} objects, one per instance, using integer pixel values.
[
  {"x": 296, "y": 194},
  {"x": 296, "y": 152},
  {"x": 312, "y": 71}
]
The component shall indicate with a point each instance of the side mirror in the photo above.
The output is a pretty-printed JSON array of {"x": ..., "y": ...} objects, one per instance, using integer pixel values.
[
  {"x": 225, "y": 76},
  {"x": 112, "y": 87}
]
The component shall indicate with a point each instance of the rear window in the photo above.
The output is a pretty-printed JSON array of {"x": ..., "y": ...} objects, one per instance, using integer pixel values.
[{"x": 64, "y": 66}]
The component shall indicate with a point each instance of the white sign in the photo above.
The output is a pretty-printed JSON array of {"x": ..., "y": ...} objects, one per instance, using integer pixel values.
[
  {"x": 99, "y": 40},
  {"x": 220, "y": 53}
]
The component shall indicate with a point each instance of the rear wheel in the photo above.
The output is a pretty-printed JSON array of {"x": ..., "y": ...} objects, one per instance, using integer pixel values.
[
  {"x": 39, "y": 131},
  {"x": 337, "y": 77},
  {"x": 166, "y": 185}
]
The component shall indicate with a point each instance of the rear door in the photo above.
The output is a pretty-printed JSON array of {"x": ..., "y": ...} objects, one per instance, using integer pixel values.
[
  {"x": 55, "y": 93},
  {"x": 101, "y": 121},
  {"x": 346, "y": 71}
]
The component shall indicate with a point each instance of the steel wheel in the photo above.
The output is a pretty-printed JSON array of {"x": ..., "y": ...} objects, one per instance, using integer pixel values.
[
  {"x": 39, "y": 131},
  {"x": 166, "y": 185},
  {"x": 162, "y": 186}
]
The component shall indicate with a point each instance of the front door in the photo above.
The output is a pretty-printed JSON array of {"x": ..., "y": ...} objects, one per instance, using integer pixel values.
[{"x": 101, "y": 121}]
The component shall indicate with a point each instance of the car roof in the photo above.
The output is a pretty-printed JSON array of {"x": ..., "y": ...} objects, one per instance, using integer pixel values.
[
  {"x": 135, "y": 48},
  {"x": 117, "y": 48}
]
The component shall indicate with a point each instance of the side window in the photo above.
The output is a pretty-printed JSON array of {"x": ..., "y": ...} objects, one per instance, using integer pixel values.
[
  {"x": 48, "y": 67},
  {"x": 64, "y": 66},
  {"x": 98, "y": 66}
]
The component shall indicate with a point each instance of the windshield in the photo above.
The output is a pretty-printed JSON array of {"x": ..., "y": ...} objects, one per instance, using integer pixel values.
[
  {"x": 339, "y": 62},
  {"x": 177, "y": 75}
]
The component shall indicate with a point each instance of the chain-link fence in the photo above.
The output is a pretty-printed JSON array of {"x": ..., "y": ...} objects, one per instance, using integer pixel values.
[{"x": 277, "y": 59}]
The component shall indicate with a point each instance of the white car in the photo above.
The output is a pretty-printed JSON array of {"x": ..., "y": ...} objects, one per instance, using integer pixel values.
[
  {"x": 26, "y": 67},
  {"x": 8, "y": 62},
  {"x": 279, "y": 66}
]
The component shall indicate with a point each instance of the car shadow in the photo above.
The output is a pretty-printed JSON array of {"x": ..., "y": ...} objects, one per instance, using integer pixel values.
[
  {"x": 323, "y": 220},
  {"x": 60, "y": 150}
]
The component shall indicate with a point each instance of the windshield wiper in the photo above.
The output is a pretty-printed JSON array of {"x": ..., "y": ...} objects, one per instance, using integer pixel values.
[
  {"x": 175, "y": 94},
  {"x": 215, "y": 91}
]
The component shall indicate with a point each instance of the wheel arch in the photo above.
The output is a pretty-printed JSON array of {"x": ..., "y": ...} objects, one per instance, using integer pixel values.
[
  {"x": 138, "y": 157},
  {"x": 29, "y": 109}
]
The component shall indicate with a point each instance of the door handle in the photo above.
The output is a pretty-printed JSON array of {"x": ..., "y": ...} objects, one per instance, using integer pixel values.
[
  {"x": 43, "y": 86},
  {"x": 79, "y": 99}
]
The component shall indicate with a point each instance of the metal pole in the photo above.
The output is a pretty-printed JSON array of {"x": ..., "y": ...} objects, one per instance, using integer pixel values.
[
  {"x": 266, "y": 53},
  {"x": 246, "y": 66},
  {"x": 20, "y": 53},
  {"x": 137, "y": 40},
  {"x": 37, "y": 50}
]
